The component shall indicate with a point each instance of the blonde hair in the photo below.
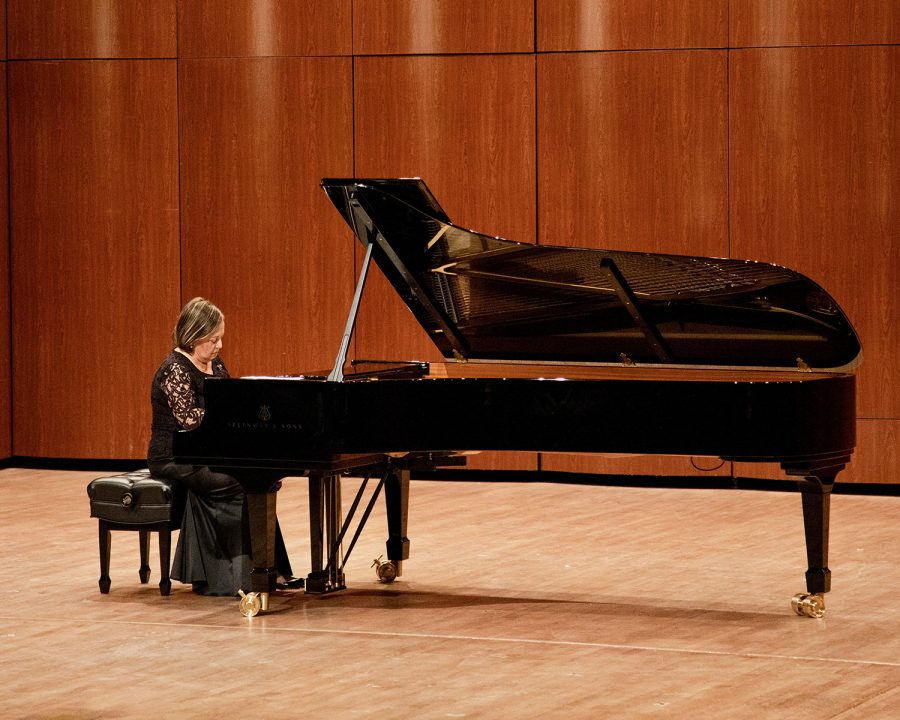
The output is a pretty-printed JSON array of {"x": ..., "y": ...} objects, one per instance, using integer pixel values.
[{"x": 199, "y": 318}]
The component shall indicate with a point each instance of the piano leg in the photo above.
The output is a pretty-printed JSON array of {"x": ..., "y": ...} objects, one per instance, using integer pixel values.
[
  {"x": 324, "y": 528},
  {"x": 261, "y": 519},
  {"x": 396, "y": 498},
  {"x": 816, "y": 496},
  {"x": 815, "y": 490}
]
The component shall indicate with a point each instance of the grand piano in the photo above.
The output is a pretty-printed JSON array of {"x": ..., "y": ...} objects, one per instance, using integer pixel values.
[{"x": 548, "y": 349}]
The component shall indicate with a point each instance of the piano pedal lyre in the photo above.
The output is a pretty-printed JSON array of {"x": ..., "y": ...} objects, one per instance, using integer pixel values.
[
  {"x": 809, "y": 604},
  {"x": 386, "y": 570},
  {"x": 252, "y": 603}
]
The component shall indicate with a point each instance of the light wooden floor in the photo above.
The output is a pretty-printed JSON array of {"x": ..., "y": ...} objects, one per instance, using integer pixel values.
[{"x": 519, "y": 601}]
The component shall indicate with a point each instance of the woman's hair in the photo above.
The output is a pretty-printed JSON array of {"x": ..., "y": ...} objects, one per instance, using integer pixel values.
[{"x": 199, "y": 318}]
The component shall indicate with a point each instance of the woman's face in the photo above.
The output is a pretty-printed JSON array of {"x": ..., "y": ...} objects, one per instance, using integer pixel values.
[{"x": 208, "y": 348}]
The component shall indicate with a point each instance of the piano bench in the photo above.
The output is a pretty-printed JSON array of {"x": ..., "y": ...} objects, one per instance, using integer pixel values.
[{"x": 139, "y": 502}]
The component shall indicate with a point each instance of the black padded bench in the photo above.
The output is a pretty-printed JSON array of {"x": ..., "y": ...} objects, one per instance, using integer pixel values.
[{"x": 139, "y": 502}]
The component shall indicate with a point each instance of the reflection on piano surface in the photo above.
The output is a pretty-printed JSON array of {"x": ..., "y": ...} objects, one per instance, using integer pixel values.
[{"x": 548, "y": 349}]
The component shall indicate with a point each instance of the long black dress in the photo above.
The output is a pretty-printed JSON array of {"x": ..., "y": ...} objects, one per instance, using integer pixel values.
[{"x": 213, "y": 549}]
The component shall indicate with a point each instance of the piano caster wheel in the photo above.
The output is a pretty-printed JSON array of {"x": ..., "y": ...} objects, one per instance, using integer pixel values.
[
  {"x": 809, "y": 604},
  {"x": 252, "y": 603},
  {"x": 386, "y": 570}
]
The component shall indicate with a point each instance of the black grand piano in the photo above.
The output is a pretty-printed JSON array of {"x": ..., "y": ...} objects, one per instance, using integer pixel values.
[{"x": 547, "y": 349}]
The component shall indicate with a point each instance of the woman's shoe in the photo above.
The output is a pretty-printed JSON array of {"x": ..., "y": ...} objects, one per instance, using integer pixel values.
[{"x": 289, "y": 583}]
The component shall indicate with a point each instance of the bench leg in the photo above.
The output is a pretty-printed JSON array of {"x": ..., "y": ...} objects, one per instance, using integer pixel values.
[
  {"x": 165, "y": 548},
  {"x": 144, "y": 571},
  {"x": 104, "y": 557}
]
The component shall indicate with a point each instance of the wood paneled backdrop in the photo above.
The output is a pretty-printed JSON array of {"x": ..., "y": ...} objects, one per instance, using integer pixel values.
[{"x": 161, "y": 149}]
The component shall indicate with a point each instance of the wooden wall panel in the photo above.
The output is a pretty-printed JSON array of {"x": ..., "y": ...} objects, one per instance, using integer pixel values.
[
  {"x": 814, "y": 181},
  {"x": 788, "y": 156},
  {"x": 624, "y": 465},
  {"x": 5, "y": 349},
  {"x": 246, "y": 28},
  {"x": 629, "y": 158},
  {"x": 94, "y": 222},
  {"x": 259, "y": 236},
  {"x": 91, "y": 28},
  {"x": 397, "y": 27},
  {"x": 813, "y": 22},
  {"x": 877, "y": 457},
  {"x": 3, "y": 41},
  {"x": 630, "y": 24},
  {"x": 466, "y": 125}
]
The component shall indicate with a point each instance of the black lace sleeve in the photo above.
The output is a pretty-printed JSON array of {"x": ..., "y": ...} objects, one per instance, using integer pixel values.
[{"x": 179, "y": 392}]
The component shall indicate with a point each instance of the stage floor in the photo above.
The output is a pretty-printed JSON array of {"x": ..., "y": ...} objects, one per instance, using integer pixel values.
[{"x": 518, "y": 601}]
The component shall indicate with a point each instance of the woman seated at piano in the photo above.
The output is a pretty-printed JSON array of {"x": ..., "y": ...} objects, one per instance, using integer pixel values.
[{"x": 213, "y": 552}]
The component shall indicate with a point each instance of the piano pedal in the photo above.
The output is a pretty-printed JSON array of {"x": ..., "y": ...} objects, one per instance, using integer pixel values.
[
  {"x": 809, "y": 604},
  {"x": 252, "y": 603},
  {"x": 385, "y": 570}
]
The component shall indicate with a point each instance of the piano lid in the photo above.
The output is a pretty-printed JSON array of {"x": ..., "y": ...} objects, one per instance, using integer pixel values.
[{"x": 485, "y": 298}]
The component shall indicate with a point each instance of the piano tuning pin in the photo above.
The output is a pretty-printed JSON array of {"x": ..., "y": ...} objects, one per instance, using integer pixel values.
[{"x": 808, "y": 604}]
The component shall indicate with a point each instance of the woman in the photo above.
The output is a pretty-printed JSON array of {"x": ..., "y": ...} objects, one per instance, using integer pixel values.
[{"x": 213, "y": 546}]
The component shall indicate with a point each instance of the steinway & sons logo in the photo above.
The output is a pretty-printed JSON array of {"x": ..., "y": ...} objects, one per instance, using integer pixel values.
[{"x": 264, "y": 422}]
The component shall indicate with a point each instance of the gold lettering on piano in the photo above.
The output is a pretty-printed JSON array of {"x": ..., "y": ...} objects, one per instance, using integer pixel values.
[{"x": 244, "y": 425}]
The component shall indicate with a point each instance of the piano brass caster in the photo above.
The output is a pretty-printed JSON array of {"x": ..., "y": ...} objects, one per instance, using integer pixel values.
[
  {"x": 808, "y": 604},
  {"x": 252, "y": 603},
  {"x": 386, "y": 570}
]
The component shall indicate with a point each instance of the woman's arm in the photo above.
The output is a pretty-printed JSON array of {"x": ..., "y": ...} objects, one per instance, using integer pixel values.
[{"x": 183, "y": 401}]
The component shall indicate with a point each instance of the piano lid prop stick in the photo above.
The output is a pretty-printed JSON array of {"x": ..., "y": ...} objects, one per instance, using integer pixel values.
[{"x": 337, "y": 372}]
